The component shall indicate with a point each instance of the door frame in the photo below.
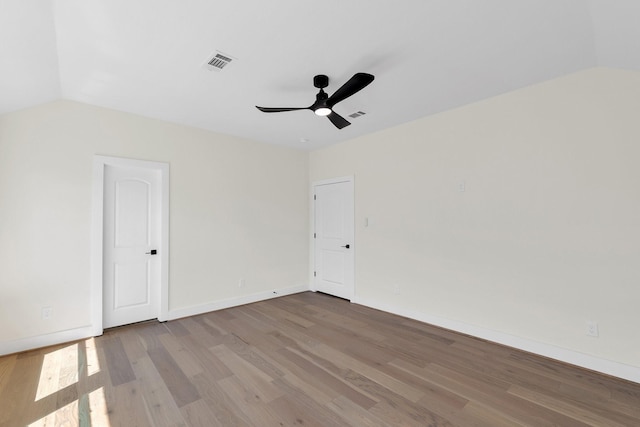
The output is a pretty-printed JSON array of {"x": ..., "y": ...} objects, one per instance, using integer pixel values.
[
  {"x": 312, "y": 250},
  {"x": 97, "y": 234}
]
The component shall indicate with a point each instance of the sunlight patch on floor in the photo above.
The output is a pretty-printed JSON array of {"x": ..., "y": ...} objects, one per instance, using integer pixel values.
[
  {"x": 87, "y": 411},
  {"x": 93, "y": 364},
  {"x": 65, "y": 416},
  {"x": 98, "y": 408},
  {"x": 59, "y": 370}
]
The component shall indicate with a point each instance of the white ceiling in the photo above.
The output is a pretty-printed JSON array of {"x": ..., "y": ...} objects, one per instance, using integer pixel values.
[{"x": 147, "y": 56}]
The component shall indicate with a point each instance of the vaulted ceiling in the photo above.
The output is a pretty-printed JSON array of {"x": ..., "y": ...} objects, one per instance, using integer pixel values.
[{"x": 148, "y": 57}]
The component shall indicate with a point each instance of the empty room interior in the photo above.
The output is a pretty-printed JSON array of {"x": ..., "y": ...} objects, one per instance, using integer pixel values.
[{"x": 349, "y": 213}]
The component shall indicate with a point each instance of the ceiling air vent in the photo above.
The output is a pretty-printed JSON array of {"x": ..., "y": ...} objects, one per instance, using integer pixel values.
[
  {"x": 357, "y": 114},
  {"x": 219, "y": 61}
]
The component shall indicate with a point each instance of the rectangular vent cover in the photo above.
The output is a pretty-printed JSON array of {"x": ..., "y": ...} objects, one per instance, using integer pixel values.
[
  {"x": 219, "y": 61},
  {"x": 357, "y": 114}
]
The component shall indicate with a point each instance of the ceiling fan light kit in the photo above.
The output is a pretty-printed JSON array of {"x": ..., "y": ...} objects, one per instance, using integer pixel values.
[
  {"x": 322, "y": 111},
  {"x": 324, "y": 103}
]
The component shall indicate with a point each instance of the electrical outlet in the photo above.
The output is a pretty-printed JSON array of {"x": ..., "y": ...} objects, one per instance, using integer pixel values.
[
  {"x": 396, "y": 289},
  {"x": 592, "y": 328},
  {"x": 47, "y": 313},
  {"x": 241, "y": 283}
]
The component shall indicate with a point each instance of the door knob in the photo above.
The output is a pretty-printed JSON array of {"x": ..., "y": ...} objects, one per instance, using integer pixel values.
[
  {"x": 345, "y": 246},
  {"x": 153, "y": 252}
]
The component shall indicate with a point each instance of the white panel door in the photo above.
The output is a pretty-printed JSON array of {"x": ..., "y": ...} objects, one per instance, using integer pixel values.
[
  {"x": 334, "y": 239},
  {"x": 131, "y": 281}
]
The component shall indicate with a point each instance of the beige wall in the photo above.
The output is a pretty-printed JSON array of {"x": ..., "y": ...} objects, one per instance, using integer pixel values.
[
  {"x": 544, "y": 237},
  {"x": 238, "y": 209},
  {"x": 546, "y": 234}
]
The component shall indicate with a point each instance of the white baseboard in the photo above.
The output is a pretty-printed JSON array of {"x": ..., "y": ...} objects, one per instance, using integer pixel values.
[
  {"x": 39, "y": 341},
  {"x": 616, "y": 369},
  {"x": 233, "y": 302}
]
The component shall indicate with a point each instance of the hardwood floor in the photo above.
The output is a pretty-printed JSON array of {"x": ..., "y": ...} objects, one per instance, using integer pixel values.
[{"x": 302, "y": 360}]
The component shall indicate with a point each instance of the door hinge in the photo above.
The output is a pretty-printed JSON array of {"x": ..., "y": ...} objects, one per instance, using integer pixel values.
[
  {"x": 314, "y": 274},
  {"x": 314, "y": 235},
  {"x": 314, "y": 197}
]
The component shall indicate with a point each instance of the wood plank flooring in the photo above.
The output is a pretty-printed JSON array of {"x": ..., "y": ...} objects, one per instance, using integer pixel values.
[{"x": 302, "y": 360}]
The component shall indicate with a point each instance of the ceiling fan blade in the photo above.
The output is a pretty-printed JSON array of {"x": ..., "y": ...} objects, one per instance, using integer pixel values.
[
  {"x": 279, "y": 110},
  {"x": 339, "y": 121},
  {"x": 354, "y": 85}
]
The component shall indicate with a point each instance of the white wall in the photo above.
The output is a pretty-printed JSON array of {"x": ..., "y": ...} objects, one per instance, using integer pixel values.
[
  {"x": 544, "y": 237},
  {"x": 238, "y": 209}
]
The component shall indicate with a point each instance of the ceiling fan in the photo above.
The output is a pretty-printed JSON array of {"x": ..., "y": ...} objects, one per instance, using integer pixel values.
[{"x": 324, "y": 103}]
